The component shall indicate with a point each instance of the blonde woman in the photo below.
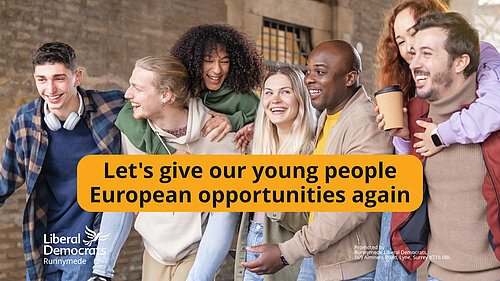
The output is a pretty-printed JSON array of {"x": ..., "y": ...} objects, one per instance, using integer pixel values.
[{"x": 285, "y": 124}]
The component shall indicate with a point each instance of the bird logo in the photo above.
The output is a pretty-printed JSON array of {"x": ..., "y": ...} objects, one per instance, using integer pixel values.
[{"x": 93, "y": 236}]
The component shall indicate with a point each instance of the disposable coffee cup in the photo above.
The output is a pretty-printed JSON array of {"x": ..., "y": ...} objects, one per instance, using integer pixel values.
[{"x": 390, "y": 103}]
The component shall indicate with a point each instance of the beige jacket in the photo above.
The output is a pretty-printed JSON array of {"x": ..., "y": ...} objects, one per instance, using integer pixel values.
[
  {"x": 333, "y": 238},
  {"x": 169, "y": 237},
  {"x": 278, "y": 227}
]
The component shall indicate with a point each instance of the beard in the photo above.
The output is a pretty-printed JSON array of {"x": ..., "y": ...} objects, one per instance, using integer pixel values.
[{"x": 443, "y": 79}]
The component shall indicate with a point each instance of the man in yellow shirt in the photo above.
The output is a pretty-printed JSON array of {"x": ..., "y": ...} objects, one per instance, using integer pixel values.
[{"x": 346, "y": 126}]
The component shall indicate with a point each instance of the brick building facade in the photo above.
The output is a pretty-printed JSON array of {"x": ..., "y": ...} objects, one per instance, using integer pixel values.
[{"x": 109, "y": 36}]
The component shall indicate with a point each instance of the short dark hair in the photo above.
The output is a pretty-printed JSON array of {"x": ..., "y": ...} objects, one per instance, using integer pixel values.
[
  {"x": 55, "y": 52},
  {"x": 462, "y": 37}
]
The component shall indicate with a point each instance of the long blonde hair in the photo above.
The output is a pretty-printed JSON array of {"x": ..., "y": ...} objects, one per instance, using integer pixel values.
[{"x": 301, "y": 141}]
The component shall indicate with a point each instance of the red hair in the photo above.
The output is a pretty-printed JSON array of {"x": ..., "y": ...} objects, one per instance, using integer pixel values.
[{"x": 393, "y": 69}]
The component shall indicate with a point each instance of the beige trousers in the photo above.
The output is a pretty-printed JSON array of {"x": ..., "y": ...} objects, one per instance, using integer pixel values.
[{"x": 155, "y": 271}]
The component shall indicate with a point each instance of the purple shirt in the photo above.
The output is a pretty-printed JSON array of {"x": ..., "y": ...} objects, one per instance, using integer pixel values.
[{"x": 475, "y": 124}]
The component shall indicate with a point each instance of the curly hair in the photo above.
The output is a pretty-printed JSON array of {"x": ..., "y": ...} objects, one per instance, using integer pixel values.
[
  {"x": 246, "y": 67},
  {"x": 393, "y": 69}
]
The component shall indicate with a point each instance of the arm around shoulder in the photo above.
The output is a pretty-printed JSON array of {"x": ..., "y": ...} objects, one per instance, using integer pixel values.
[{"x": 475, "y": 124}]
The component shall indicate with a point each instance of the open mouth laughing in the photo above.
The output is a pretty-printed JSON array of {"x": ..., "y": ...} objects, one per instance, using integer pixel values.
[
  {"x": 313, "y": 93},
  {"x": 53, "y": 98},
  {"x": 420, "y": 77},
  {"x": 278, "y": 110}
]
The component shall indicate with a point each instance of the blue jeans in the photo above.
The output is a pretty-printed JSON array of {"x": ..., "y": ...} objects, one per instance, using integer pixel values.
[
  {"x": 214, "y": 246},
  {"x": 67, "y": 268},
  {"x": 388, "y": 267},
  {"x": 367, "y": 277},
  {"x": 118, "y": 226},
  {"x": 307, "y": 272},
  {"x": 430, "y": 278},
  {"x": 255, "y": 237}
]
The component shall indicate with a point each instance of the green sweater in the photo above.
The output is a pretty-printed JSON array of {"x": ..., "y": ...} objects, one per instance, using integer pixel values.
[{"x": 239, "y": 108}]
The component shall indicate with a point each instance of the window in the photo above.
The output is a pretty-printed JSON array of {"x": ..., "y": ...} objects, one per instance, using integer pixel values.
[
  {"x": 487, "y": 21},
  {"x": 284, "y": 42}
]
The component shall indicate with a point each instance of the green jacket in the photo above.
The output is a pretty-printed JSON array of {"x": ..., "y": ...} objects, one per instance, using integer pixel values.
[
  {"x": 278, "y": 227},
  {"x": 239, "y": 108}
]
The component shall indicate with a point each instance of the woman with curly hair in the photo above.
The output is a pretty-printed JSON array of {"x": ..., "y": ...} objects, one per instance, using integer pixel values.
[
  {"x": 285, "y": 124},
  {"x": 471, "y": 125},
  {"x": 224, "y": 67}
]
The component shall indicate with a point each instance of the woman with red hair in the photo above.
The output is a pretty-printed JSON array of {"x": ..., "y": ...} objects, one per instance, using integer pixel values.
[{"x": 472, "y": 125}]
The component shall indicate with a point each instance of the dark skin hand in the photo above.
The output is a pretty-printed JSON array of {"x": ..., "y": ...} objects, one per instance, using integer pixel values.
[{"x": 268, "y": 262}]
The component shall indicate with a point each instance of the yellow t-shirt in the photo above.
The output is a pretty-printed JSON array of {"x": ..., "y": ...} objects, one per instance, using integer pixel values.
[{"x": 331, "y": 120}]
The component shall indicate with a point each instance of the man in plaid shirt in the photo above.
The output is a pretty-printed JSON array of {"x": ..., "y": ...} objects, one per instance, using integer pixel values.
[{"x": 47, "y": 138}]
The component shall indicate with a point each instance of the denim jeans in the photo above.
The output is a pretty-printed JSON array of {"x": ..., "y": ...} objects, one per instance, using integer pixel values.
[
  {"x": 388, "y": 267},
  {"x": 117, "y": 225},
  {"x": 367, "y": 277},
  {"x": 307, "y": 272},
  {"x": 430, "y": 278},
  {"x": 68, "y": 268},
  {"x": 214, "y": 246},
  {"x": 255, "y": 237}
]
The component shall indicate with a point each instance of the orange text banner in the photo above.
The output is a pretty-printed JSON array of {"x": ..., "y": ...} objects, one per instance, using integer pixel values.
[{"x": 249, "y": 183}]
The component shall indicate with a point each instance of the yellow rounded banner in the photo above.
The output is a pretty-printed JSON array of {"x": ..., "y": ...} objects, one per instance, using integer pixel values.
[{"x": 250, "y": 183}]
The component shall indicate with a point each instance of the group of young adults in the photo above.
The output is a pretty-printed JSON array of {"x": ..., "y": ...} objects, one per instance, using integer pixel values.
[{"x": 200, "y": 99}]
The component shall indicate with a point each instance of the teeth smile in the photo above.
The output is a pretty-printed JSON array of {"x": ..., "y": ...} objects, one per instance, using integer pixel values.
[
  {"x": 54, "y": 97},
  {"x": 421, "y": 77},
  {"x": 278, "y": 109},
  {"x": 135, "y": 104},
  {"x": 214, "y": 78},
  {"x": 314, "y": 93}
]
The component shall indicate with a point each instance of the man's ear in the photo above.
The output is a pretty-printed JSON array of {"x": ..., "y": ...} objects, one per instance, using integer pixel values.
[
  {"x": 78, "y": 77},
  {"x": 460, "y": 63},
  {"x": 351, "y": 78},
  {"x": 167, "y": 97}
]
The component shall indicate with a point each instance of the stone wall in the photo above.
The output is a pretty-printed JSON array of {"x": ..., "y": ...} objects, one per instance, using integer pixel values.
[
  {"x": 110, "y": 35},
  {"x": 361, "y": 22}
]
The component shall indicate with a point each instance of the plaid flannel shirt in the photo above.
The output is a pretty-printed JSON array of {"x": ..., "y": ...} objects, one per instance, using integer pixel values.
[{"x": 23, "y": 158}]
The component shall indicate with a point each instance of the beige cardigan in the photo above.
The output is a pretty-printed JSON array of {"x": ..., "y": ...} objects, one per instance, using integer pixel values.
[
  {"x": 169, "y": 237},
  {"x": 332, "y": 237}
]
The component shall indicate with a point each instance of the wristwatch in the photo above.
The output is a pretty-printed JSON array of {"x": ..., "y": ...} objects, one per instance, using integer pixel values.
[
  {"x": 435, "y": 138},
  {"x": 283, "y": 260}
]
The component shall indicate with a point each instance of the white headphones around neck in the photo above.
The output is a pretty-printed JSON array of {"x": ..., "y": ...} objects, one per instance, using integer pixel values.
[{"x": 53, "y": 122}]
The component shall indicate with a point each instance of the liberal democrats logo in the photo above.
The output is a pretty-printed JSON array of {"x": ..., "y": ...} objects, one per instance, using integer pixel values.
[
  {"x": 73, "y": 245},
  {"x": 93, "y": 236}
]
